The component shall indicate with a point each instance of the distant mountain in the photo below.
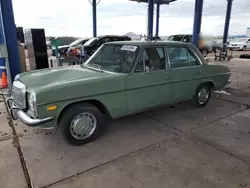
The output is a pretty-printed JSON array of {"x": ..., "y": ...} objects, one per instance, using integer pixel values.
[{"x": 138, "y": 37}]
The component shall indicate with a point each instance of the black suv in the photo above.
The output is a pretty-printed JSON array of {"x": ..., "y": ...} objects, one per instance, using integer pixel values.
[{"x": 93, "y": 44}]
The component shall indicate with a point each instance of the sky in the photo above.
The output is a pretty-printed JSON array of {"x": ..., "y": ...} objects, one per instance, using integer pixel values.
[{"x": 74, "y": 17}]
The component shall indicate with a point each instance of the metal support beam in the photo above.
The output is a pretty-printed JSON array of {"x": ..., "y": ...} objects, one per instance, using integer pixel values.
[
  {"x": 150, "y": 19},
  {"x": 157, "y": 19},
  {"x": 94, "y": 18},
  {"x": 2, "y": 41},
  {"x": 10, "y": 37},
  {"x": 227, "y": 23},
  {"x": 197, "y": 22}
]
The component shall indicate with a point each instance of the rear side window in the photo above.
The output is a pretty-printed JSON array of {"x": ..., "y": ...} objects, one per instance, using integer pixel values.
[
  {"x": 180, "y": 57},
  {"x": 176, "y": 38}
]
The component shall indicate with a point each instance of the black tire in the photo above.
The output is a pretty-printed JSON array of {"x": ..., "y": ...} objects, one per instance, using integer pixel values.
[
  {"x": 205, "y": 53},
  {"x": 68, "y": 116},
  {"x": 196, "y": 100},
  {"x": 244, "y": 48}
]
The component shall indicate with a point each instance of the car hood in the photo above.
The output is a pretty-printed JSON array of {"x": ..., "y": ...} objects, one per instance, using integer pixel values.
[
  {"x": 61, "y": 47},
  {"x": 51, "y": 85},
  {"x": 55, "y": 76},
  {"x": 238, "y": 43}
]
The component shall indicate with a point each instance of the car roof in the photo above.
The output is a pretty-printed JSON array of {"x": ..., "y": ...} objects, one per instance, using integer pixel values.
[
  {"x": 150, "y": 43},
  {"x": 122, "y": 36}
]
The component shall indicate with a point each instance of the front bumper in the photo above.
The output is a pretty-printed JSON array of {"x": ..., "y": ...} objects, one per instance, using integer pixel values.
[
  {"x": 17, "y": 113},
  {"x": 235, "y": 47}
]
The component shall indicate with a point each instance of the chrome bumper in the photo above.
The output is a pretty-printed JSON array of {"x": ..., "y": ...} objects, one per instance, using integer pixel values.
[{"x": 17, "y": 113}]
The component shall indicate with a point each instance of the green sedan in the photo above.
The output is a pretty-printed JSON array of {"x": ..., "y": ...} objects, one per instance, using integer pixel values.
[{"x": 119, "y": 79}]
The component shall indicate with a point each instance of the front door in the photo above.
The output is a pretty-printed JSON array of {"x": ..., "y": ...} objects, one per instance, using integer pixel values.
[
  {"x": 149, "y": 85},
  {"x": 186, "y": 71},
  {"x": 248, "y": 44}
]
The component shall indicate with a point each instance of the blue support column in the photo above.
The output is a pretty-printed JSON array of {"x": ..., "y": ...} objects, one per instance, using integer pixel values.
[
  {"x": 10, "y": 37},
  {"x": 2, "y": 41},
  {"x": 157, "y": 19},
  {"x": 227, "y": 23},
  {"x": 94, "y": 18},
  {"x": 150, "y": 19},
  {"x": 197, "y": 21}
]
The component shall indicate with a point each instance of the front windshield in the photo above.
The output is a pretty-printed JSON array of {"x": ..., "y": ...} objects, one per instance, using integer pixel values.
[
  {"x": 114, "y": 58},
  {"x": 91, "y": 41},
  {"x": 76, "y": 42},
  {"x": 239, "y": 40}
]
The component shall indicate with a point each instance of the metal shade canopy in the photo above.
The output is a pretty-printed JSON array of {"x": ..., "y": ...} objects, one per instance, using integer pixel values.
[
  {"x": 161, "y": 2},
  {"x": 151, "y": 14}
]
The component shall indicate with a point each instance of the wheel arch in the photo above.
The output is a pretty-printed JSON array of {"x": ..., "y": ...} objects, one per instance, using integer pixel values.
[
  {"x": 208, "y": 82},
  {"x": 98, "y": 104}
]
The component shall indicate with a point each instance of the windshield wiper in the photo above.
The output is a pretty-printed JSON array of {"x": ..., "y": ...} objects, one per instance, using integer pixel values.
[
  {"x": 94, "y": 65},
  {"x": 98, "y": 66}
]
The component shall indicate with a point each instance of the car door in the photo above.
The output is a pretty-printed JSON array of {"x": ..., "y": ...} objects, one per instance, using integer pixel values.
[
  {"x": 248, "y": 44},
  {"x": 149, "y": 84},
  {"x": 185, "y": 71}
]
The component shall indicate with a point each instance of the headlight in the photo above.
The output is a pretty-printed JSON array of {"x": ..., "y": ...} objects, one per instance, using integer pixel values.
[
  {"x": 17, "y": 77},
  {"x": 32, "y": 103}
]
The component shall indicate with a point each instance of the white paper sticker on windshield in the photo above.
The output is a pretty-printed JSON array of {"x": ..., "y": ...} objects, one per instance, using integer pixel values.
[{"x": 129, "y": 48}]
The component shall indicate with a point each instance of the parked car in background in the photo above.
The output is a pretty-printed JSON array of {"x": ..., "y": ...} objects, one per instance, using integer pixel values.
[
  {"x": 93, "y": 44},
  {"x": 208, "y": 43},
  {"x": 120, "y": 79},
  {"x": 240, "y": 44},
  {"x": 48, "y": 44},
  {"x": 63, "y": 49}
]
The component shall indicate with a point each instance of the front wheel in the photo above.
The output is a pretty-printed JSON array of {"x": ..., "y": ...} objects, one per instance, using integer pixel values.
[
  {"x": 244, "y": 48},
  {"x": 202, "y": 95},
  {"x": 81, "y": 123}
]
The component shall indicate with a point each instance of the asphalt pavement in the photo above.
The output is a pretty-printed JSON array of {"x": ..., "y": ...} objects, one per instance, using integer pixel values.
[{"x": 177, "y": 146}]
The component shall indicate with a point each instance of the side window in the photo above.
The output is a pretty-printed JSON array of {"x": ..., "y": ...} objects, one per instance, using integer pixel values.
[
  {"x": 103, "y": 41},
  {"x": 153, "y": 59},
  {"x": 99, "y": 42},
  {"x": 187, "y": 38},
  {"x": 193, "y": 61},
  {"x": 180, "y": 57},
  {"x": 106, "y": 40},
  {"x": 115, "y": 39}
]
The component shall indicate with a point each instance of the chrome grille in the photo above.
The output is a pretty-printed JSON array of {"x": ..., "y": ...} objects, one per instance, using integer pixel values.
[{"x": 18, "y": 94}]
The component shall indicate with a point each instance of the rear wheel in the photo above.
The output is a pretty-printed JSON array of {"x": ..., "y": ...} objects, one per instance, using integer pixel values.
[
  {"x": 205, "y": 53},
  {"x": 81, "y": 123},
  {"x": 202, "y": 95}
]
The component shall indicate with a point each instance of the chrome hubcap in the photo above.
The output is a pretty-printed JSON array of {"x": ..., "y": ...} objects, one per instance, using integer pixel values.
[
  {"x": 203, "y": 95},
  {"x": 83, "y": 126}
]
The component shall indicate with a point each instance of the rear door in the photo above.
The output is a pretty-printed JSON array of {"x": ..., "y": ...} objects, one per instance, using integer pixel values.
[{"x": 186, "y": 72}]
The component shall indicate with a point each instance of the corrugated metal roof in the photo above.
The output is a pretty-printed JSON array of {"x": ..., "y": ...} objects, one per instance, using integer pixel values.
[{"x": 156, "y": 1}]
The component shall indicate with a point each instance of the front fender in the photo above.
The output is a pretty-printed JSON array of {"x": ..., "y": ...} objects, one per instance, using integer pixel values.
[{"x": 114, "y": 102}]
